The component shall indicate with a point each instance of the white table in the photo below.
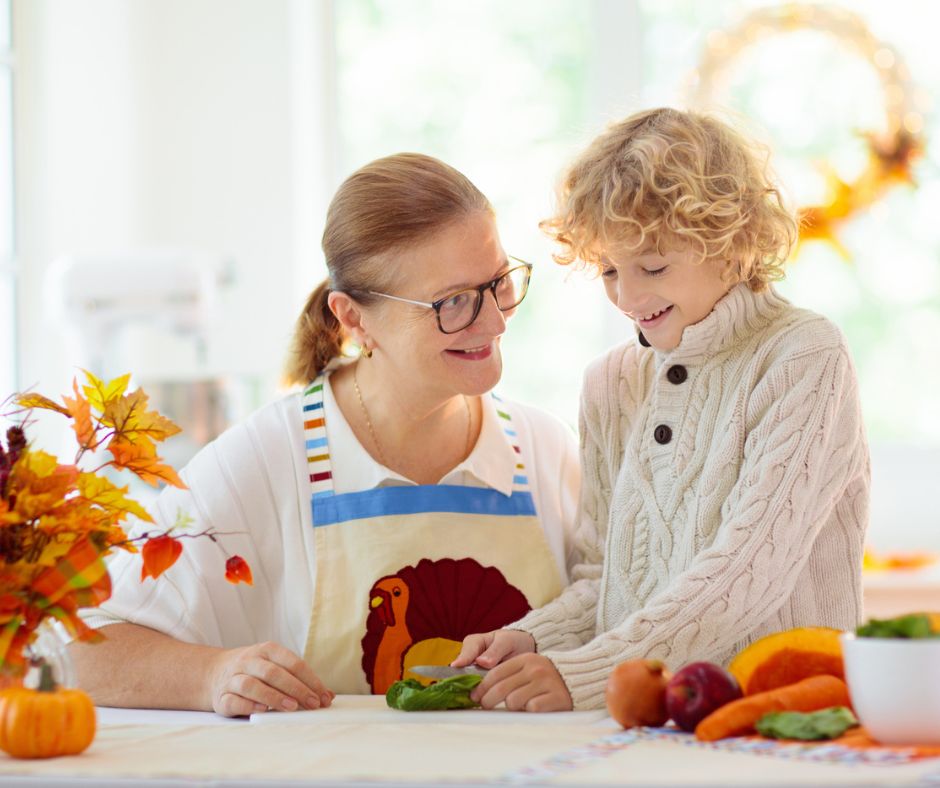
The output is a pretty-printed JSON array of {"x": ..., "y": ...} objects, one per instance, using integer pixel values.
[{"x": 360, "y": 742}]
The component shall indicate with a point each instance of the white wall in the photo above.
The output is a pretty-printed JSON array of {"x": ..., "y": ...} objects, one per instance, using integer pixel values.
[
  {"x": 904, "y": 511},
  {"x": 147, "y": 124}
]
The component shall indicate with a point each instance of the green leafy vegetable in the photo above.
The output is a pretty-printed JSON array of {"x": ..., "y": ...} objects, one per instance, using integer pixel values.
[
  {"x": 452, "y": 693},
  {"x": 916, "y": 625},
  {"x": 807, "y": 726}
]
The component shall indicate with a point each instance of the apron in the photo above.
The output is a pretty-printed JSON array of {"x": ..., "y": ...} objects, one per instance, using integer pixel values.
[{"x": 405, "y": 573}]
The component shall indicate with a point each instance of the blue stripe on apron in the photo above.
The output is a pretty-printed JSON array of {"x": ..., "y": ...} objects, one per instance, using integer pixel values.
[{"x": 409, "y": 499}]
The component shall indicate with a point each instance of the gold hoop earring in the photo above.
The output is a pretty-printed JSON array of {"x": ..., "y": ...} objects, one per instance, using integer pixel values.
[{"x": 365, "y": 352}]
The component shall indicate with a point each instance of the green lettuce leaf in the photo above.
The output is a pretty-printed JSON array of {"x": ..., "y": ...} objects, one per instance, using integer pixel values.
[
  {"x": 452, "y": 693},
  {"x": 807, "y": 726},
  {"x": 916, "y": 625}
]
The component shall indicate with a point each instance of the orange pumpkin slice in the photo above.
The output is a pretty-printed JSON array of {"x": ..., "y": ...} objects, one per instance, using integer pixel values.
[
  {"x": 934, "y": 622},
  {"x": 787, "y": 657}
]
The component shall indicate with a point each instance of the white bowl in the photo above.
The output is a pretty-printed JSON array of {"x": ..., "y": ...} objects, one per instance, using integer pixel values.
[{"x": 895, "y": 687}]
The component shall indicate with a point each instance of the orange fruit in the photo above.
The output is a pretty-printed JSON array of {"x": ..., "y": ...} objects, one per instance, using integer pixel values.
[{"x": 787, "y": 657}]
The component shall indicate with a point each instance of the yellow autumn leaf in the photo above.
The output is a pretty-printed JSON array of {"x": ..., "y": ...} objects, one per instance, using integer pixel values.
[
  {"x": 38, "y": 463},
  {"x": 40, "y": 484},
  {"x": 8, "y": 517},
  {"x": 132, "y": 421},
  {"x": 33, "y": 400},
  {"x": 100, "y": 394},
  {"x": 80, "y": 411},
  {"x": 77, "y": 516},
  {"x": 56, "y": 548},
  {"x": 128, "y": 547},
  {"x": 101, "y": 491}
]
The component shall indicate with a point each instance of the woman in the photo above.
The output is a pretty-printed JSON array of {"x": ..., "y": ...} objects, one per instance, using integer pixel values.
[{"x": 390, "y": 509}]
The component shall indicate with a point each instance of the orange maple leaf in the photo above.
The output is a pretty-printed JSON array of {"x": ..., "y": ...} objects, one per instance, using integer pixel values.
[
  {"x": 80, "y": 411},
  {"x": 33, "y": 400},
  {"x": 141, "y": 458},
  {"x": 159, "y": 554},
  {"x": 238, "y": 571},
  {"x": 132, "y": 421}
]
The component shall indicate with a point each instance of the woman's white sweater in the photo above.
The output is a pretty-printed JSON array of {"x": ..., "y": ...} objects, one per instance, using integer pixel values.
[{"x": 724, "y": 496}]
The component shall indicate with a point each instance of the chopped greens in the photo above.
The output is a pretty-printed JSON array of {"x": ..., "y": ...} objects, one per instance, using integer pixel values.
[
  {"x": 452, "y": 693},
  {"x": 807, "y": 726},
  {"x": 916, "y": 625}
]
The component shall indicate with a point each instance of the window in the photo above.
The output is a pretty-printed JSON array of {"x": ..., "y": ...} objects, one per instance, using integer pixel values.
[
  {"x": 813, "y": 96},
  {"x": 521, "y": 72},
  {"x": 8, "y": 381},
  {"x": 528, "y": 77}
]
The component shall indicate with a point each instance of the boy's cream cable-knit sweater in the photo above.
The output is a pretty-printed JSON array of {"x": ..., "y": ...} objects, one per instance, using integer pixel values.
[{"x": 725, "y": 495}]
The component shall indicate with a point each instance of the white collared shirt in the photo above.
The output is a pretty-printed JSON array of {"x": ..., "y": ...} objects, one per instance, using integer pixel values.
[
  {"x": 491, "y": 463},
  {"x": 251, "y": 486}
]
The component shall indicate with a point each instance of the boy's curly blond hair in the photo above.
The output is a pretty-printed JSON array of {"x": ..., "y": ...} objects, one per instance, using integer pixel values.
[{"x": 669, "y": 178}]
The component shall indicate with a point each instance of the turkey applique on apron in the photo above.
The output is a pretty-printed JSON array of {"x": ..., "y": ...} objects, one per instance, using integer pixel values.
[{"x": 405, "y": 573}]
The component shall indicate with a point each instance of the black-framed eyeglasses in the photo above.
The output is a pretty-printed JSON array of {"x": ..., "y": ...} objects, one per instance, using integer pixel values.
[{"x": 458, "y": 310}]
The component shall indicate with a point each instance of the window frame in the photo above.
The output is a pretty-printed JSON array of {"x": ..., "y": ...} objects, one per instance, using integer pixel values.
[{"x": 9, "y": 310}]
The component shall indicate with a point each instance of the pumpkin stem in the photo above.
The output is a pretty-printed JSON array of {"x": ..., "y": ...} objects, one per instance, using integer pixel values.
[{"x": 46, "y": 679}]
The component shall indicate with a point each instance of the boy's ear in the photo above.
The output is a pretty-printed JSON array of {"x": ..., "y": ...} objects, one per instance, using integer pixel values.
[{"x": 731, "y": 272}]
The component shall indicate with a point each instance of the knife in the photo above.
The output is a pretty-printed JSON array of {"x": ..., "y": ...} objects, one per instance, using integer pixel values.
[{"x": 446, "y": 671}]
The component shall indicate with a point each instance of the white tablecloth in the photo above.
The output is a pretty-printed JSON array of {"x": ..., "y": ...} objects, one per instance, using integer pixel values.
[{"x": 360, "y": 741}]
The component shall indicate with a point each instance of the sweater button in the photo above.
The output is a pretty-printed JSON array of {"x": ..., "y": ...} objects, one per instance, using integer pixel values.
[
  {"x": 662, "y": 434},
  {"x": 677, "y": 374}
]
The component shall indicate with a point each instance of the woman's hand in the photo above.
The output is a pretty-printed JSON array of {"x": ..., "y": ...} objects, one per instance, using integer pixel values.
[
  {"x": 261, "y": 677},
  {"x": 490, "y": 648},
  {"x": 529, "y": 682}
]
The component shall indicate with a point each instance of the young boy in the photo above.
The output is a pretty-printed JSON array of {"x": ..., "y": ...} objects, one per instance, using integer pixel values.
[{"x": 726, "y": 474}]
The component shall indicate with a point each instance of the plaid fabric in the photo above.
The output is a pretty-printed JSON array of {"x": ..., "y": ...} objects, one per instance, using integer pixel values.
[
  {"x": 82, "y": 574},
  {"x": 79, "y": 579}
]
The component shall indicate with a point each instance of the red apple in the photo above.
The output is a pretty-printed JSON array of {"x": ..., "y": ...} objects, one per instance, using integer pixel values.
[{"x": 697, "y": 690}]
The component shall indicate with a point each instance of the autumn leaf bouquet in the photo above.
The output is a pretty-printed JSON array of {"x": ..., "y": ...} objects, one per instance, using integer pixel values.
[{"x": 59, "y": 521}]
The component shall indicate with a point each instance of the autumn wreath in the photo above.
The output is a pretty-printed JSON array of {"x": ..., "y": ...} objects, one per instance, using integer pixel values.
[{"x": 891, "y": 153}]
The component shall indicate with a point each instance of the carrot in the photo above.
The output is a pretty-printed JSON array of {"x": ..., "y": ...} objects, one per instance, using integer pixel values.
[{"x": 738, "y": 717}]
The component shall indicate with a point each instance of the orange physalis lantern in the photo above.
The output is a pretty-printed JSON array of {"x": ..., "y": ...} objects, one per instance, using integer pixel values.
[
  {"x": 238, "y": 571},
  {"x": 159, "y": 554}
]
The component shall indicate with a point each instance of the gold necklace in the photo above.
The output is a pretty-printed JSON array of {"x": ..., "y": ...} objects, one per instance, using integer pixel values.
[{"x": 375, "y": 440}]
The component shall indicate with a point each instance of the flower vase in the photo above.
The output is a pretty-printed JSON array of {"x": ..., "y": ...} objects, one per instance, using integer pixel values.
[{"x": 50, "y": 647}]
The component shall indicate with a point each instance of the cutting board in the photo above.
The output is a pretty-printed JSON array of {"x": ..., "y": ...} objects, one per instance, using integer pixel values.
[{"x": 354, "y": 709}]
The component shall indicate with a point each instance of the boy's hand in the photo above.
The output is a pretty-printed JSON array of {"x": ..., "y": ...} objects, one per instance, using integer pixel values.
[
  {"x": 491, "y": 648},
  {"x": 529, "y": 682}
]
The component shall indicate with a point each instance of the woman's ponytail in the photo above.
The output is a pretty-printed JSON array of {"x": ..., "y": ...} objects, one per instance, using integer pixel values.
[{"x": 318, "y": 338}]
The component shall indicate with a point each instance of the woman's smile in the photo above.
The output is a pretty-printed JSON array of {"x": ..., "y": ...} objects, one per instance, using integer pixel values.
[{"x": 473, "y": 353}]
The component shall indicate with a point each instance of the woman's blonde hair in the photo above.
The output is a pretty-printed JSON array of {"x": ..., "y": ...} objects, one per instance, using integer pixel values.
[
  {"x": 669, "y": 178},
  {"x": 388, "y": 205}
]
